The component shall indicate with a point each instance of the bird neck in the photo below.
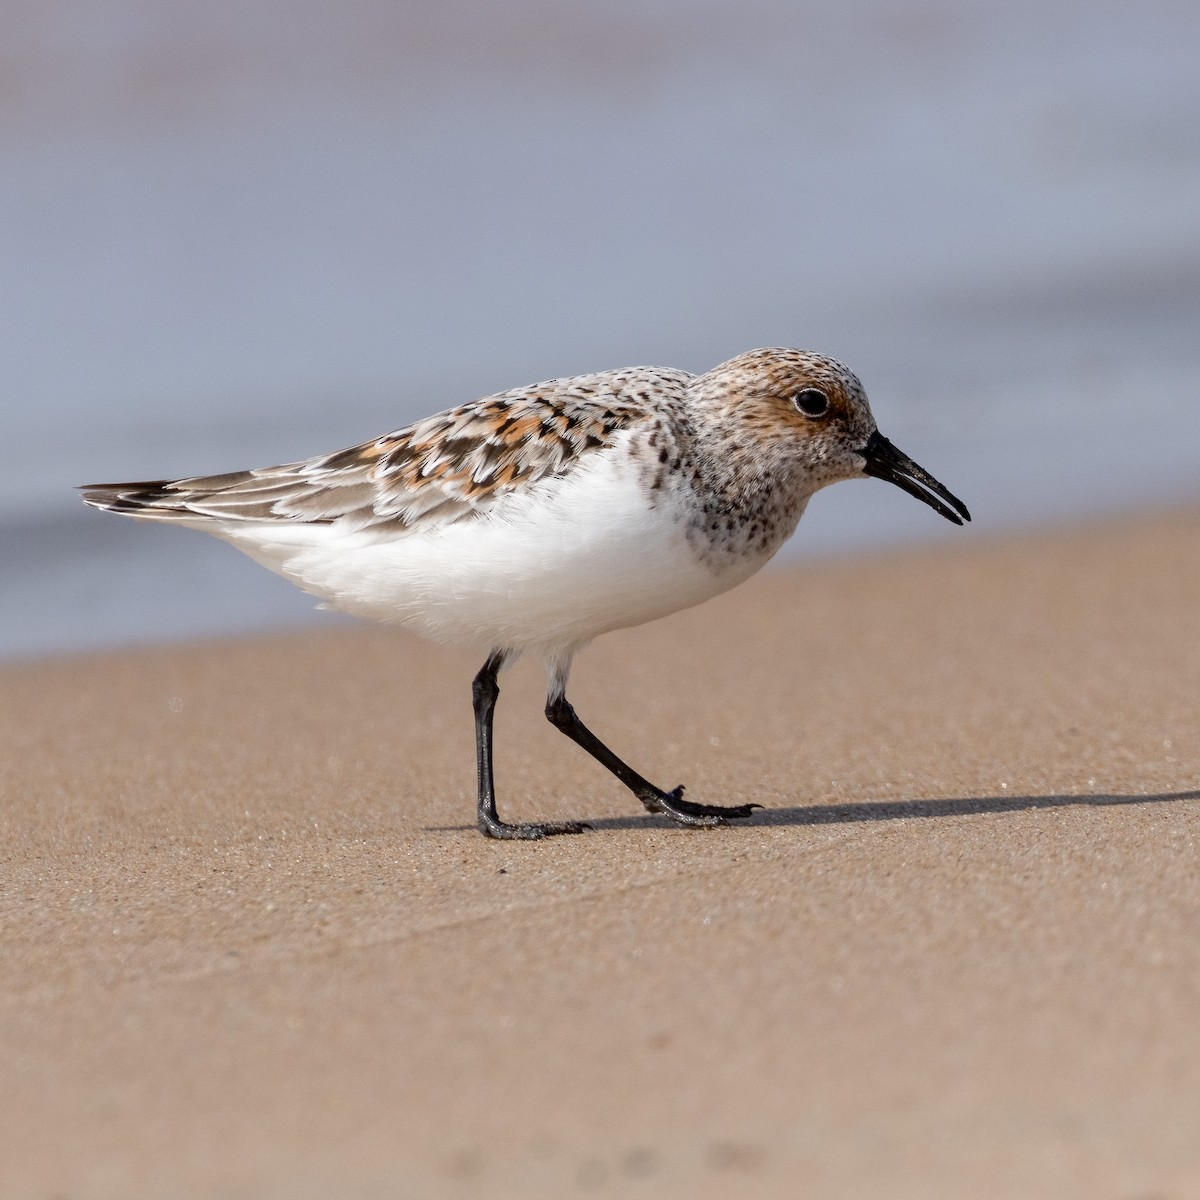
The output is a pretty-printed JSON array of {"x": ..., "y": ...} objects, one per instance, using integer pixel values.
[{"x": 746, "y": 502}]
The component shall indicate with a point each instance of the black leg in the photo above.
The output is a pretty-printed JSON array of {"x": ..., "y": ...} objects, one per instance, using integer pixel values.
[
  {"x": 562, "y": 716},
  {"x": 484, "y": 691}
]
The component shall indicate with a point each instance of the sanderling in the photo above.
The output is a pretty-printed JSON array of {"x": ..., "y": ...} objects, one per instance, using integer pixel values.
[{"x": 536, "y": 519}]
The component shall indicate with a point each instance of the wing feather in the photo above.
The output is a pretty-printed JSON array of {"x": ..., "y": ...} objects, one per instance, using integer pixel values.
[{"x": 442, "y": 469}]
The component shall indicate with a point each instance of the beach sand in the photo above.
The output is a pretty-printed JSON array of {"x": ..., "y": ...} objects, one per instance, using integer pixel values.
[{"x": 252, "y": 945}]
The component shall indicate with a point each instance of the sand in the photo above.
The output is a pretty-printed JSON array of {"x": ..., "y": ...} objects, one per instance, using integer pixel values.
[{"x": 252, "y": 945}]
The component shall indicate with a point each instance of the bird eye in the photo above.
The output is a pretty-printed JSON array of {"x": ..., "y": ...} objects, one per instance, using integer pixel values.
[{"x": 812, "y": 402}]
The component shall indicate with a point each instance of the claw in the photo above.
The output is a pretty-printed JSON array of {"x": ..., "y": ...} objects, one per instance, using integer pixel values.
[
  {"x": 703, "y": 816},
  {"x": 533, "y": 831}
]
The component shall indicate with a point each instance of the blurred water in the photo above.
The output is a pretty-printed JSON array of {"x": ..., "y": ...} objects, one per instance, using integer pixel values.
[{"x": 233, "y": 235}]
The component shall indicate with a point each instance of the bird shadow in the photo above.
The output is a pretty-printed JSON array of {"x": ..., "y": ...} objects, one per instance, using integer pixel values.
[
  {"x": 894, "y": 810},
  {"x": 904, "y": 810}
]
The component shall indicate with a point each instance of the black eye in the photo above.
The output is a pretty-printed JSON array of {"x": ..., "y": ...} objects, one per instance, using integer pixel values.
[{"x": 812, "y": 402}]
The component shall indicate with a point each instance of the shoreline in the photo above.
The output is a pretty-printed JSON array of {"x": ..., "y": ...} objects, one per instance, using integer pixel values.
[{"x": 203, "y": 562}]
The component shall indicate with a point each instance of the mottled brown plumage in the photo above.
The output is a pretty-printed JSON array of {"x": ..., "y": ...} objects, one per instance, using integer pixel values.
[{"x": 441, "y": 469}]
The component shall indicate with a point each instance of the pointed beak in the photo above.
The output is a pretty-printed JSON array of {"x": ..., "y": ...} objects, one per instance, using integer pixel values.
[{"x": 884, "y": 461}]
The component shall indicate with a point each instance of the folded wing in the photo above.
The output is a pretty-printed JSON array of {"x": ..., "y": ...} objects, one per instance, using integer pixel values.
[{"x": 445, "y": 468}]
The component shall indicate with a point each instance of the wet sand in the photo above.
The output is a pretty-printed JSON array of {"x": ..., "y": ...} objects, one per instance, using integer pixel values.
[{"x": 252, "y": 945}]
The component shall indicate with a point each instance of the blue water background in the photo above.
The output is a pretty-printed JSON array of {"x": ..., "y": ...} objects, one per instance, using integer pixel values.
[{"x": 237, "y": 234}]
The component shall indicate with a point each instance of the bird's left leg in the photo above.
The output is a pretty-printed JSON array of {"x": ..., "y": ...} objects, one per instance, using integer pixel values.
[
  {"x": 562, "y": 716},
  {"x": 484, "y": 692}
]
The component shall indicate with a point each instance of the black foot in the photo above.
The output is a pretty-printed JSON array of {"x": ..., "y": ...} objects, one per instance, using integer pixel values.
[
  {"x": 700, "y": 816},
  {"x": 532, "y": 831}
]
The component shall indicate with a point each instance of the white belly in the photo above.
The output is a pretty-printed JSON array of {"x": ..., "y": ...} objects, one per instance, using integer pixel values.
[{"x": 546, "y": 570}]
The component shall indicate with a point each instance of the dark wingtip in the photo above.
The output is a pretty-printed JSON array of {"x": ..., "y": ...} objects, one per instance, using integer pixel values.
[{"x": 122, "y": 497}]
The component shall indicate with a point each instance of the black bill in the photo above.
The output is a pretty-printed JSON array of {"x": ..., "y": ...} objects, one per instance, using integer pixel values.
[{"x": 884, "y": 461}]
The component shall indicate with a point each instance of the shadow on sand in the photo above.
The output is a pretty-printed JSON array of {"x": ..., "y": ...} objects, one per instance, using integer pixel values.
[{"x": 898, "y": 810}]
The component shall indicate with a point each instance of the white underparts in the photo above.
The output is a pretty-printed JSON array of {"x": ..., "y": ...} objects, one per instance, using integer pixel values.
[{"x": 545, "y": 570}]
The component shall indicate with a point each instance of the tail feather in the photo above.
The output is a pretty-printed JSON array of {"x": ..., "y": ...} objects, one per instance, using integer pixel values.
[
  {"x": 145, "y": 498},
  {"x": 288, "y": 493},
  {"x": 205, "y": 496}
]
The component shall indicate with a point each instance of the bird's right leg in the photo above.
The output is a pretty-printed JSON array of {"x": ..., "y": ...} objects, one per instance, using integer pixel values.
[
  {"x": 562, "y": 716},
  {"x": 484, "y": 692}
]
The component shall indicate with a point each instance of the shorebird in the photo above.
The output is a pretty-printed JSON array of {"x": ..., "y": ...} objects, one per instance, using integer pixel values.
[{"x": 534, "y": 520}]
